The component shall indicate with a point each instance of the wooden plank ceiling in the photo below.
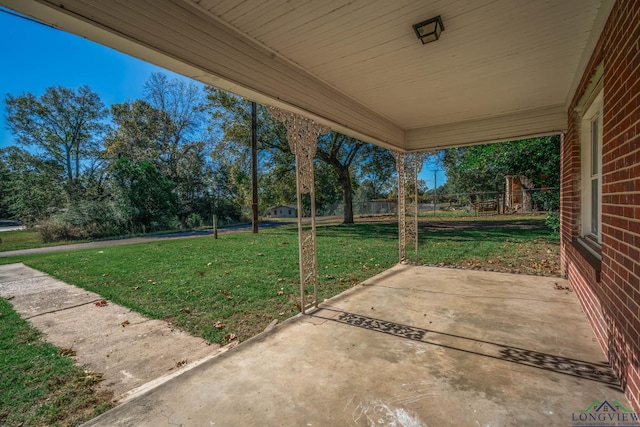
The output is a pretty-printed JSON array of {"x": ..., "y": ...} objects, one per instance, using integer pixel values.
[{"x": 502, "y": 69}]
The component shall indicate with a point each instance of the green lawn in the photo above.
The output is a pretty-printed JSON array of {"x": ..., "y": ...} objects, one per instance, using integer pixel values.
[
  {"x": 241, "y": 282},
  {"x": 27, "y": 239},
  {"x": 20, "y": 239},
  {"x": 245, "y": 280},
  {"x": 38, "y": 386}
]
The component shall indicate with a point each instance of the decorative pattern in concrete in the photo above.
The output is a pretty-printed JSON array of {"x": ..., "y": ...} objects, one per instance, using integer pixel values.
[{"x": 413, "y": 346}]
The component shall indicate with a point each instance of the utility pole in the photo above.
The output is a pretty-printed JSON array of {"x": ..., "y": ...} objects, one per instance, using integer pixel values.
[
  {"x": 254, "y": 168},
  {"x": 435, "y": 192}
]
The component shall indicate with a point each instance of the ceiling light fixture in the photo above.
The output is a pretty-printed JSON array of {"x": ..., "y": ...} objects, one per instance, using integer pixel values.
[{"x": 429, "y": 30}]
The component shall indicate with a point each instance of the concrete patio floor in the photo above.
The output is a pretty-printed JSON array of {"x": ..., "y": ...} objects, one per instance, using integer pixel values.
[{"x": 413, "y": 346}]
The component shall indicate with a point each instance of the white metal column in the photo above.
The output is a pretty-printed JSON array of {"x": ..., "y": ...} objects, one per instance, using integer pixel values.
[
  {"x": 302, "y": 134},
  {"x": 408, "y": 166}
]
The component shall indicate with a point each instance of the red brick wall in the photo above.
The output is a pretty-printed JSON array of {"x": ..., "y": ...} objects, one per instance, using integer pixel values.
[{"x": 609, "y": 291}]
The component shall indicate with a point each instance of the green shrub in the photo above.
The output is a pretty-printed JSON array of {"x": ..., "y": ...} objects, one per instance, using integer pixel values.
[
  {"x": 553, "y": 221},
  {"x": 194, "y": 221},
  {"x": 83, "y": 220},
  {"x": 54, "y": 230},
  {"x": 546, "y": 200}
]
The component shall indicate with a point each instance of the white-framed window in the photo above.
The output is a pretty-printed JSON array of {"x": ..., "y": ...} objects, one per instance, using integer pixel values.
[{"x": 591, "y": 171}]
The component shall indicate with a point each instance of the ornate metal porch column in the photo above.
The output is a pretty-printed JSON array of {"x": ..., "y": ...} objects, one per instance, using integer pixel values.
[
  {"x": 303, "y": 134},
  {"x": 408, "y": 166}
]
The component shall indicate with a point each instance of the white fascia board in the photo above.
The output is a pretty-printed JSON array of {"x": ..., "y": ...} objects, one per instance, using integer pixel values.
[
  {"x": 198, "y": 45},
  {"x": 509, "y": 127},
  {"x": 594, "y": 36}
]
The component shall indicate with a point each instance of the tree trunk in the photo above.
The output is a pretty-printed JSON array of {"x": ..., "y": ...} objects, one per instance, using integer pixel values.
[
  {"x": 347, "y": 193},
  {"x": 527, "y": 186}
]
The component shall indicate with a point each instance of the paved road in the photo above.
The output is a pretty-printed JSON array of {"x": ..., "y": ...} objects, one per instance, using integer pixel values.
[
  {"x": 12, "y": 228},
  {"x": 134, "y": 240}
]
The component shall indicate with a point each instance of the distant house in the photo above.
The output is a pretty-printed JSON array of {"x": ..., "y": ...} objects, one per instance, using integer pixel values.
[{"x": 288, "y": 211}]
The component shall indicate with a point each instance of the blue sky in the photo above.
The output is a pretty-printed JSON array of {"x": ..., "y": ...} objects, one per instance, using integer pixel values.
[{"x": 35, "y": 56}]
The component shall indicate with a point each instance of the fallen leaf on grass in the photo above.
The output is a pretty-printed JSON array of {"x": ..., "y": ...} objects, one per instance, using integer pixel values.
[
  {"x": 67, "y": 352},
  {"x": 92, "y": 377},
  {"x": 218, "y": 325},
  {"x": 136, "y": 288},
  {"x": 227, "y": 271},
  {"x": 102, "y": 303},
  {"x": 185, "y": 310},
  {"x": 105, "y": 275},
  {"x": 281, "y": 313},
  {"x": 259, "y": 254},
  {"x": 125, "y": 323},
  {"x": 280, "y": 292},
  {"x": 201, "y": 273},
  {"x": 224, "y": 291},
  {"x": 230, "y": 337}
]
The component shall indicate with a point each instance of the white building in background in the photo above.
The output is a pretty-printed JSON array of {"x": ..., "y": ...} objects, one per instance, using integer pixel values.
[{"x": 288, "y": 211}]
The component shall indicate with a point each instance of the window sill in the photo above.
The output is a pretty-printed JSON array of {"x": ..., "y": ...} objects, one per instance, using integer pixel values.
[
  {"x": 591, "y": 245},
  {"x": 591, "y": 252}
]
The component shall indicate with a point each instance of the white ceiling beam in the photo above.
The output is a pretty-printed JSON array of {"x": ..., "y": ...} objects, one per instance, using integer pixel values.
[{"x": 508, "y": 127}]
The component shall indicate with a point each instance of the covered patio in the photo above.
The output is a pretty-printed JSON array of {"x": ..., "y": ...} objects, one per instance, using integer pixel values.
[
  {"x": 413, "y": 346},
  {"x": 503, "y": 349}
]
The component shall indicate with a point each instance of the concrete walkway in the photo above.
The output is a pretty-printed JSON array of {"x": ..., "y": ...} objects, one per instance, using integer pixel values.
[
  {"x": 128, "y": 349},
  {"x": 414, "y": 346}
]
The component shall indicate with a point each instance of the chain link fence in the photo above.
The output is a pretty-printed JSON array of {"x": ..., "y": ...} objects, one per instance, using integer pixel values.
[{"x": 460, "y": 204}]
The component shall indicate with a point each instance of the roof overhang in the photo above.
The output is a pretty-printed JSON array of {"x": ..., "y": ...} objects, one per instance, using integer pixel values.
[{"x": 334, "y": 78}]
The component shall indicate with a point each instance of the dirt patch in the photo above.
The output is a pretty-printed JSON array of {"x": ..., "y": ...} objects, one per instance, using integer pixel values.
[
  {"x": 480, "y": 225},
  {"x": 525, "y": 255}
]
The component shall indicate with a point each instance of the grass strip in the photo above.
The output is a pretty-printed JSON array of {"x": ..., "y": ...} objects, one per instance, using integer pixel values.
[{"x": 38, "y": 386}]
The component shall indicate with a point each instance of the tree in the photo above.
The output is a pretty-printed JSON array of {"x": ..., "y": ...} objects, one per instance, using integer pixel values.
[
  {"x": 276, "y": 178},
  {"x": 182, "y": 105},
  {"x": 139, "y": 131},
  {"x": 343, "y": 154},
  {"x": 30, "y": 188},
  {"x": 145, "y": 194},
  {"x": 340, "y": 151},
  {"x": 375, "y": 175},
  {"x": 181, "y": 139},
  {"x": 64, "y": 124},
  {"x": 167, "y": 130},
  {"x": 482, "y": 167}
]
